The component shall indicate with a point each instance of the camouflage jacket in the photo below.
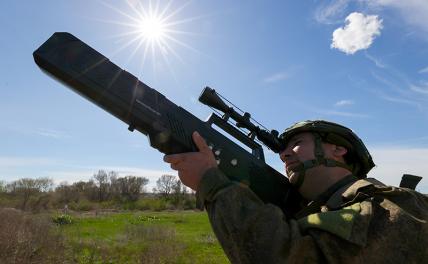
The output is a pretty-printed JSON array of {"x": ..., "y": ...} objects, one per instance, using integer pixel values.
[{"x": 363, "y": 222}]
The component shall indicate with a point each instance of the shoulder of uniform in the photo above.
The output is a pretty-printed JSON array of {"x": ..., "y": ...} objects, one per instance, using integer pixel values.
[
  {"x": 366, "y": 186},
  {"x": 360, "y": 185},
  {"x": 350, "y": 193},
  {"x": 350, "y": 223}
]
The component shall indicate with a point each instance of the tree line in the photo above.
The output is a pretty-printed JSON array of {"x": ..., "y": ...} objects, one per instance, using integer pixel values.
[{"x": 105, "y": 189}]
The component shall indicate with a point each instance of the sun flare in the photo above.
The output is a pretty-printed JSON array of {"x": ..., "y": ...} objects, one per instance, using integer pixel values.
[
  {"x": 155, "y": 29},
  {"x": 152, "y": 28}
]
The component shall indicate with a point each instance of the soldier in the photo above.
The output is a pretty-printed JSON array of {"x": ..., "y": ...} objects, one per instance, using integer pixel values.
[{"x": 350, "y": 219}]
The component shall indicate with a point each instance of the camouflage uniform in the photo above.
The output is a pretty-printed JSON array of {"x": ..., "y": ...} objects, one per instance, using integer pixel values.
[{"x": 362, "y": 222}]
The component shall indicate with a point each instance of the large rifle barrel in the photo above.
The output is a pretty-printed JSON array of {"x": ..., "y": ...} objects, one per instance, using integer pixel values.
[{"x": 168, "y": 126}]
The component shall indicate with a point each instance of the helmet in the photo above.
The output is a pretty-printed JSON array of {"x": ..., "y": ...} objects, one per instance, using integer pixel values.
[{"x": 358, "y": 156}]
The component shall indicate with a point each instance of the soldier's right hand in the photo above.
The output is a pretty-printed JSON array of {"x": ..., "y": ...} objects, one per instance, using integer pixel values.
[{"x": 191, "y": 166}]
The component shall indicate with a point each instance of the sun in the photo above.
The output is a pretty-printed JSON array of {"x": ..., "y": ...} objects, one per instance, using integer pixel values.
[{"x": 153, "y": 28}]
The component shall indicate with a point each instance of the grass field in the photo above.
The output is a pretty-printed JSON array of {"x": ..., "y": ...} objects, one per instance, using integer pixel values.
[{"x": 142, "y": 237}]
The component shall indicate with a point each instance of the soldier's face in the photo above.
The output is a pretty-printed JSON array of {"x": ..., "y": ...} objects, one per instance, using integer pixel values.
[{"x": 300, "y": 148}]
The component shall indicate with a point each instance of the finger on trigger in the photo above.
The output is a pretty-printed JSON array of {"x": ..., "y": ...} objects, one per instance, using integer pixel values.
[{"x": 173, "y": 158}]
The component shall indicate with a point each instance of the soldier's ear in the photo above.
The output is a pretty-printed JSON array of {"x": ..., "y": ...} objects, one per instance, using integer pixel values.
[{"x": 339, "y": 151}]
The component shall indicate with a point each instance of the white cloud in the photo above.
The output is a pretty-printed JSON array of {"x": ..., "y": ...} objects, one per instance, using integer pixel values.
[
  {"x": 358, "y": 33},
  {"x": 341, "y": 113},
  {"x": 344, "y": 103},
  {"x": 51, "y": 133},
  {"x": 393, "y": 162},
  {"x": 327, "y": 14},
  {"x": 399, "y": 100},
  {"x": 398, "y": 89},
  {"x": 276, "y": 77},
  {"x": 424, "y": 70},
  {"x": 320, "y": 113},
  {"x": 376, "y": 61},
  {"x": 423, "y": 88},
  {"x": 414, "y": 12},
  {"x": 14, "y": 162}
]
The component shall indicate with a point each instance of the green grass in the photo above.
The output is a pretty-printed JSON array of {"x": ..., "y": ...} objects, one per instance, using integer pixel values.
[{"x": 143, "y": 237}]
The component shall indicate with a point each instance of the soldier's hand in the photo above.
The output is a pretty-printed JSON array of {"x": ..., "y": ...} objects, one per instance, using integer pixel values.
[{"x": 191, "y": 166}]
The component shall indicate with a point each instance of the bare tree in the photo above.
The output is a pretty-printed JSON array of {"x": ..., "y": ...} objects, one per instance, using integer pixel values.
[
  {"x": 179, "y": 188},
  {"x": 44, "y": 184},
  {"x": 27, "y": 187},
  {"x": 131, "y": 187},
  {"x": 102, "y": 181},
  {"x": 111, "y": 186},
  {"x": 177, "y": 192},
  {"x": 67, "y": 193},
  {"x": 112, "y": 175},
  {"x": 165, "y": 185},
  {"x": 86, "y": 189}
]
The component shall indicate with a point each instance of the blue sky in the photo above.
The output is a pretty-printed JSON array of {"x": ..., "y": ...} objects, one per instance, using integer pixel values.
[{"x": 362, "y": 63}]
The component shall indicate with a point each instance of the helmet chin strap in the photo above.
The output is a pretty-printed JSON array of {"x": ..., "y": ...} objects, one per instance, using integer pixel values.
[{"x": 319, "y": 160}]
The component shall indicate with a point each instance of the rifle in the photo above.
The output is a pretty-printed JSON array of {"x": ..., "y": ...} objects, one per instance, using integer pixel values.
[{"x": 168, "y": 126}]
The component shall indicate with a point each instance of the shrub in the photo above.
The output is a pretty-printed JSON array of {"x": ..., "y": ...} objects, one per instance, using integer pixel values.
[
  {"x": 62, "y": 219},
  {"x": 26, "y": 238},
  {"x": 189, "y": 203}
]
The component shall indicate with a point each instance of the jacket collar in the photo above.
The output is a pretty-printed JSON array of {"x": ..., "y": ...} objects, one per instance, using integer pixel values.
[{"x": 351, "y": 192}]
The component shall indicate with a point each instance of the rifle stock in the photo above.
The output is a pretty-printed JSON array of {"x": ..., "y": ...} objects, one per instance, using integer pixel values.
[{"x": 168, "y": 126}]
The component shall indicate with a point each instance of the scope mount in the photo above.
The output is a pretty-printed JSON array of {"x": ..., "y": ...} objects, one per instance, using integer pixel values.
[{"x": 269, "y": 138}]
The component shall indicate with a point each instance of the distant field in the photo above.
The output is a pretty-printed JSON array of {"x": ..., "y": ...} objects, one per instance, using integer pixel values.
[{"x": 143, "y": 237}]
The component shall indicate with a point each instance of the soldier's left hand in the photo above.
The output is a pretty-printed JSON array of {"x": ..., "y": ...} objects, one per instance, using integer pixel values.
[{"x": 191, "y": 166}]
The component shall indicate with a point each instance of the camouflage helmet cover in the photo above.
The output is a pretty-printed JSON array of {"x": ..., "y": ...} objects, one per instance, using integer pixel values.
[{"x": 335, "y": 134}]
